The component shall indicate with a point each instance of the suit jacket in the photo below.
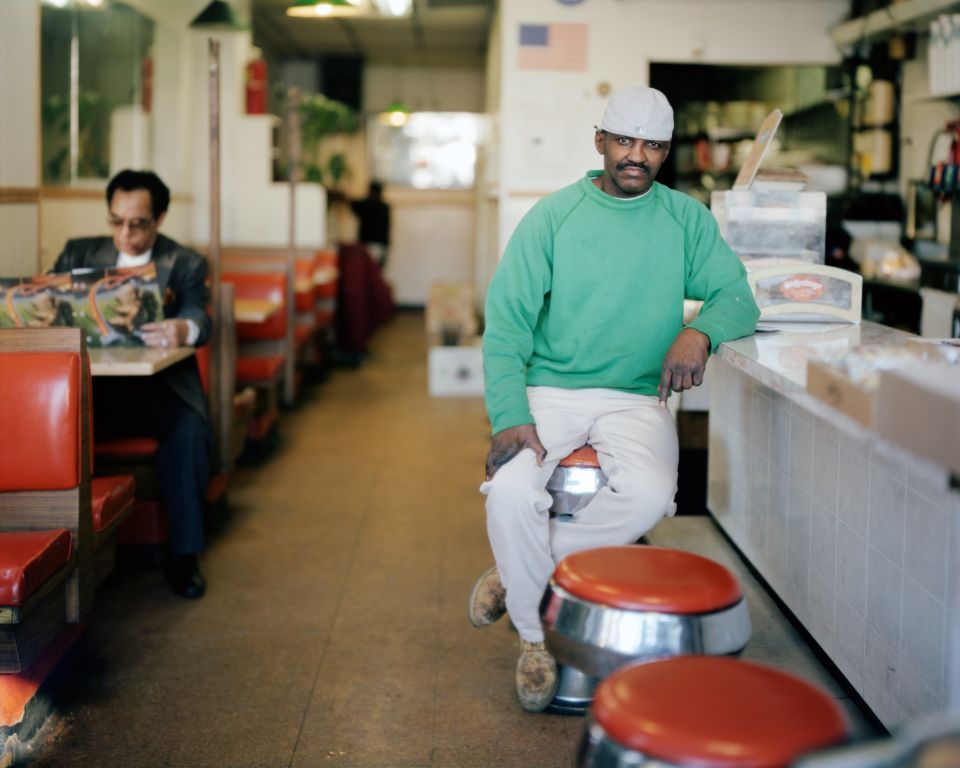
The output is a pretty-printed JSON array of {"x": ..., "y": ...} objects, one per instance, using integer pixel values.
[{"x": 180, "y": 270}]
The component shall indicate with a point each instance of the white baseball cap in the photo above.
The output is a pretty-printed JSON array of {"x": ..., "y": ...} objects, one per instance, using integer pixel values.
[{"x": 640, "y": 113}]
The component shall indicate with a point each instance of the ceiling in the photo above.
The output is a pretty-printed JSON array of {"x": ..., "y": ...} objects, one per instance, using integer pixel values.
[{"x": 436, "y": 33}]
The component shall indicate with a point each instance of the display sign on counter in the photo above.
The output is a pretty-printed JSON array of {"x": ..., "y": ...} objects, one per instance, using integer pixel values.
[{"x": 806, "y": 292}]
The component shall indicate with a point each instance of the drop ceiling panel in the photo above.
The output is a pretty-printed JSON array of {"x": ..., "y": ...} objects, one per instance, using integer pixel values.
[{"x": 437, "y": 33}]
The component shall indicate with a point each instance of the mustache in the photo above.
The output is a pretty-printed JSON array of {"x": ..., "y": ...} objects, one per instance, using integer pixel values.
[{"x": 627, "y": 164}]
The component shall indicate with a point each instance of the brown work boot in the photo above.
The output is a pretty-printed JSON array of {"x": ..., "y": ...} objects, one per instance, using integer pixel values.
[
  {"x": 537, "y": 678},
  {"x": 488, "y": 599}
]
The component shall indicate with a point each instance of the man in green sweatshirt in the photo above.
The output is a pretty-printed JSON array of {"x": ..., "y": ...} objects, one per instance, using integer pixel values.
[{"x": 584, "y": 341}]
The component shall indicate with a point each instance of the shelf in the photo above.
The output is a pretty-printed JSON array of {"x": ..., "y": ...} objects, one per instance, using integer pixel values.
[
  {"x": 907, "y": 15},
  {"x": 718, "y": 134},
  {"x": 935, "y": 97},
  {"x": 830, "y": 99},
  {"x": 708, "y": 172}
]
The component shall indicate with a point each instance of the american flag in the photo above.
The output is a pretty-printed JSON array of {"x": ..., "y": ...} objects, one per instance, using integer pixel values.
[{"x": 553, "y": 46}]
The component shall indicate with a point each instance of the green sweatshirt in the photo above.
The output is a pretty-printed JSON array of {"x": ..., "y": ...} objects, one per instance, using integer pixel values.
[{"x": 590, "y": 292}]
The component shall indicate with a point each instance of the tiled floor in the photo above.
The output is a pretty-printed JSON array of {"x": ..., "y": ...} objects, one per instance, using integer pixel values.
[{"x": 334, "y": 629}]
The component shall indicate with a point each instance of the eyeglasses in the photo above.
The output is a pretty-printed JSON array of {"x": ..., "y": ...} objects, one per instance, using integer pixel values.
[{"x": 134, "y": 225}]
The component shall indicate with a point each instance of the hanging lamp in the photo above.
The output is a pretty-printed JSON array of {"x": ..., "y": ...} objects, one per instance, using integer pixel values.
[
  {"x": 396, "y": 114},
  {"x": 323, "y": 9},
  {"x": 217, "y": 15}
]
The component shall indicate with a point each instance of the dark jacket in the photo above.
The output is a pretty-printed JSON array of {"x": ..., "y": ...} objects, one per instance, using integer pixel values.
[{"x": 180, "y": 277}]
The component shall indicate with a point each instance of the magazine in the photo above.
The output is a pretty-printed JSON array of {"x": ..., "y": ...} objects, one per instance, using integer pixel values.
[
  {"x": 36, "y": 302},
  {"x": 108, "y": 304}
]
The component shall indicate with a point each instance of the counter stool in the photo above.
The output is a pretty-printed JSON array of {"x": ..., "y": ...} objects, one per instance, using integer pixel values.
[
  {"x": 709, "y": 712},
  {"x": 606, "y": 607},
  {"x": 575, "y": 481}
]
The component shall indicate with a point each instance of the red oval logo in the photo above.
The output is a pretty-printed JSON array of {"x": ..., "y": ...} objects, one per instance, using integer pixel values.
[{"x": 801, "y": 288}]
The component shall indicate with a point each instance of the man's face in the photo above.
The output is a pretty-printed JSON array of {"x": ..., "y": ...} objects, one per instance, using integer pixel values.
[
  {"x": 629, "y": 165},
  {"x": 132, "y": 222}
]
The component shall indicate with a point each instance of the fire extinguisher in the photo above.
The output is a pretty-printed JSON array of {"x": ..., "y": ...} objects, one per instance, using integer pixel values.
[
  {"x": 146, "y": 83},
  {"x": 257, "y": 86}
]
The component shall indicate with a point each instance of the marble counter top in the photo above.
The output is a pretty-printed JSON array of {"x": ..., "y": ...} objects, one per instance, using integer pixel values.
[{"x": 778, "y": 358}]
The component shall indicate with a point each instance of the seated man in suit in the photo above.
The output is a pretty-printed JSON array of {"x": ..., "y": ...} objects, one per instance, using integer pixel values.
[{"x": 170, "y": 406}]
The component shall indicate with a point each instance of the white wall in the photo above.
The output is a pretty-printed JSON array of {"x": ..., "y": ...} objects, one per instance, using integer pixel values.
[
  {"x": 431, "y": 240},
  {"x": 254, "y": 209},
  {"x": 19, "y": 136},
  {"x": 547, "y": 118},
  {"x": 433, "y": 232}
]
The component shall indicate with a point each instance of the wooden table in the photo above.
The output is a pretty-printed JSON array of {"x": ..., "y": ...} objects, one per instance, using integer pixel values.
[
  {"x": 254, "y": 310},
  {"x": 134, "y": 361}
]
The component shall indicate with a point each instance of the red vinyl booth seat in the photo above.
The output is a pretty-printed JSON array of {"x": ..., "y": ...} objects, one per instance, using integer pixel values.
[
  {"x": 271, "y": 286},
  {"x": 325, "y": 273},
  {"x": 127, "y": 448},
  {"x": 303, "y": 275},
  {"x": 253, "y": 369},
  {"x": 302, "y": 334},
  {"x": 110, "y": 498},
  {"x": 327, "y": 290},
  {"x": 28, "y": 559},
  {"x": 41, "y": 396}
]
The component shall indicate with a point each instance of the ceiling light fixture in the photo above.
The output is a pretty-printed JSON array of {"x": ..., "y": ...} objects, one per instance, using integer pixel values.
[{"x": 312, "y": 9}]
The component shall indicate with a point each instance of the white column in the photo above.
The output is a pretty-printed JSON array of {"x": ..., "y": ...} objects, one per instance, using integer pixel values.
[{"x": 19, "y": 137}]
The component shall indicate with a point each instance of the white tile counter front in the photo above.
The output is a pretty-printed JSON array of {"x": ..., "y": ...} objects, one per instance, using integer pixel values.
[{"x": 858, "y": 537}]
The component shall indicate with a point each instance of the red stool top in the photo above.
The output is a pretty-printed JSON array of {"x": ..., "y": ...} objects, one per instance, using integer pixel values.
[
  {"x": 716, "y": 712},
  {"x": 641, "y": 578},
  {"x": 584, "y": 456}
]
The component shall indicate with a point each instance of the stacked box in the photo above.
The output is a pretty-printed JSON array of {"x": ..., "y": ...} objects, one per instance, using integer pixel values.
[{"x": 451, "y": 314}]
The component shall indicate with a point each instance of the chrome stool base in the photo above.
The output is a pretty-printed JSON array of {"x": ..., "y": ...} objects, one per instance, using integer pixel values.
[
  {"x": 574, "y": 693},
  {"x": 599, "y": 639}
]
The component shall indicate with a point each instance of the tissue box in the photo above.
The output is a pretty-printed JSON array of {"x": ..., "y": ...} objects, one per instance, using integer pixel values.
[{"x": 455, "y": 371}]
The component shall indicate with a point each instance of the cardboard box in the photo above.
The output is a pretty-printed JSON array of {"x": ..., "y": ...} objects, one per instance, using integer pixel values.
[
  {"x": 451, "y": 316},
  {"x": 455, "y": 371},
  {"x": 918, "y": 408},
  {"x": 829, "y": 383}
]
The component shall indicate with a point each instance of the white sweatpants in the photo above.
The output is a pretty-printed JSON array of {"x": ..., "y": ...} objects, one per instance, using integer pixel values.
[{"x": 636, "y": 442}]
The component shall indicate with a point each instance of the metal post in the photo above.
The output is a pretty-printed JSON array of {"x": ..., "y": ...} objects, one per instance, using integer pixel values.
[
  {"x": 293, "y": 156},
  {"x": 219, "y": 415}
]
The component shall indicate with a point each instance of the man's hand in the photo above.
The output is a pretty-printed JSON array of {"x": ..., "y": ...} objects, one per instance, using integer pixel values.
[
  {"x": 509, "y": 442},
  {"x": 168, "y": 333},
  {"x": 683, "y": 366}
]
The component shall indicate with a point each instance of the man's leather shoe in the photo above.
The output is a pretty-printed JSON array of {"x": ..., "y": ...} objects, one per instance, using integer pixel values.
[{"x": 185, "y": 577}]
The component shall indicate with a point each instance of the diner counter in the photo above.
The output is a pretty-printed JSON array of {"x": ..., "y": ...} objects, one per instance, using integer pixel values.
[
  {"x": 778, "y": 358},
  {"x": 859, "y": 538}
]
